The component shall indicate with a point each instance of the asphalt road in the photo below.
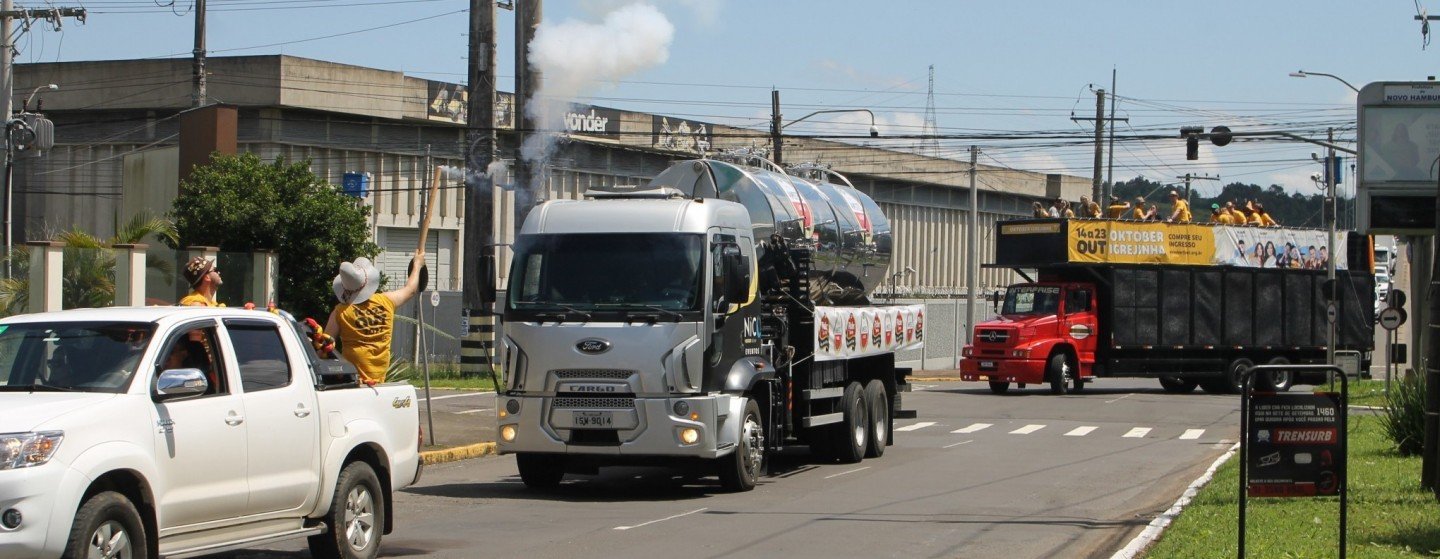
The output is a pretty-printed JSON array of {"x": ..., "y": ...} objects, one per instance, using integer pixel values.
[{"x": 974, "y": 475}]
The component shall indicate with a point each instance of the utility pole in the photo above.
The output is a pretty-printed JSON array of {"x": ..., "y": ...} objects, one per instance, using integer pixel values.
[
  {"x": 1330, "y": 241},
  {"x": 1095, "y": 188},
  {"x": 197, "y": 68},
  {"x": 972, "y": 257},
  {"x": 1110, "y": 167},
  {"x": 527, "y": 18},
  {"x": 1189, "y": 177},
  {"x": 479, "y": 266},
  {"x": 775, "y": 126}
]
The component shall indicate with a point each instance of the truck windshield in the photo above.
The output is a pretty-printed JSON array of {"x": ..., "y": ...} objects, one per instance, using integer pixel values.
[
  {"x": 598, "y": 272},
  {"x": 72, "y": 356},
  {"x": 1032, "y": 299}
]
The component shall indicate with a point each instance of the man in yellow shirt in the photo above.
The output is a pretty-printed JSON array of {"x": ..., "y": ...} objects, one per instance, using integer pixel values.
[
  {"x": 1139, "y": 212},
  {"x": 1219, "y": 216},
  {"x": 364, "y": 321},
  {"x": 1117, "y": 208},
  {"x": 1181, "y": 214},
  {"x": 204, "y": 282}
]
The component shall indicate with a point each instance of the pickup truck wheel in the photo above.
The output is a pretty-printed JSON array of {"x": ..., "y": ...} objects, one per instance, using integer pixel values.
[
  {"x": 1058, "y": 373},
  {"x": 740, "y": 470},
  {"x": 1177, "y": 385},
  {"x": 878, "y": 404},
  {"x": 107, "y": 525},
  {"x": 540, "y": 471},
  {"x": 1278, "y": 381},
  {"x": 853, "y": 432},
  {"x": 999, "y": 386},
  {"x": 356, "y": 517}
]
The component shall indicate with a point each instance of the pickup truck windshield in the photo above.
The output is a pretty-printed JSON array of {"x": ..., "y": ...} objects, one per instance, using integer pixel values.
[
  {"x": 584, "y": 273},
  {"x": 1032, "y": 299},
  {"x": 72, "y": 356}
]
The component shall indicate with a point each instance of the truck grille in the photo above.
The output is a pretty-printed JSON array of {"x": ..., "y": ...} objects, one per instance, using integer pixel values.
[
  {"x": 992, "y": 336},
  {"x": 625, "y": 402},
  {"x": 609, "y": 374}
]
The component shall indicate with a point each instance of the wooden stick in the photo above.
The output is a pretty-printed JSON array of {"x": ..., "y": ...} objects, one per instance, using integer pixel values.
[{"x": 429, "y": 208}]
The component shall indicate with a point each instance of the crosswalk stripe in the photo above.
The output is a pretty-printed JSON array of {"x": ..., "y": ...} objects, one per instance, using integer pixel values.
[
  {"x": 1026, "y": 430},
  {"x": 1192, "y": 434},
  {"x": 1080, "y": 431},
  {"x": 920, "y": 425},
  {"x": 973, "y": 428},
  {"x": 1137, "y": 433}
]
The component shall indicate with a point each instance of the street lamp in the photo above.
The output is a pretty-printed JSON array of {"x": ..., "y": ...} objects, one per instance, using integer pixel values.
[
  {"x": 26, "y": 105},
  {"x": 874, "y": 132},
  {"x": 1304, "y": 74}
]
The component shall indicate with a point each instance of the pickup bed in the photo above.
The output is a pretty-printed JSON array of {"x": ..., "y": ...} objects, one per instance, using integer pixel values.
[{"x": 181, "y": 431}]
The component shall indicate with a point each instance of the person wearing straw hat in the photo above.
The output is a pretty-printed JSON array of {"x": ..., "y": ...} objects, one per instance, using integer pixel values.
[
  {"x": 364, "y": 321},
  {"x": 204, "y": 282}
]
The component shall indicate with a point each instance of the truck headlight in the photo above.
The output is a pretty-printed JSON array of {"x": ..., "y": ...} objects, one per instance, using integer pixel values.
[
  {"x": 23, "y": 450},
  {"x": 1021, "y": 353},
  {"x": 966, "y": 351}
]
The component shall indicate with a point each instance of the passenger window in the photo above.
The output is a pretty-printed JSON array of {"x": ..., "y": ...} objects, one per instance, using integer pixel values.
[
  {"x": 261, "y": 356},
  {"x": 1079, "y": 301},
  {"x": 194, "y": 348}
]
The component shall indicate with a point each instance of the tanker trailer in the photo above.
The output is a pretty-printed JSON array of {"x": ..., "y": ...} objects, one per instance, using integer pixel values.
[{"x": 702, "y": 321}]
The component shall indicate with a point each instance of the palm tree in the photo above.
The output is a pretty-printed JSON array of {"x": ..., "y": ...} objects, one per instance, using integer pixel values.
[{"x": 88, "y": 279}]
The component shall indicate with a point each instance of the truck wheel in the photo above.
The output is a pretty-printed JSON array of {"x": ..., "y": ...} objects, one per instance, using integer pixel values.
[
  {"x": 107, "y": 525},
  {"x": 1232, "y": 374},
  {"x": 853, "y": 434},
  {"x": 1278, "y": 381},
  {"x": 999, "y": 386},
  {"x": 878, "y": 405},
  {"x": 356, "y": 517},
  {"x": 539, "y": 471},
  {"x": 740, "y": 470},
  {"x": 1057, "y": 372},
  {"x": 1178, "y": 385}
]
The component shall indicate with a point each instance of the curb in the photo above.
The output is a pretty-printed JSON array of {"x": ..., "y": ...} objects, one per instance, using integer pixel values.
[
  {"x": 932, "y": 379},
  {"x": 1157, "y": 526},
  {"x": 454, "y": 454}
]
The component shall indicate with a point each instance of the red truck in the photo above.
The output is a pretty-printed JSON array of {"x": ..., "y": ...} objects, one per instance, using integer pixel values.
[{"x": 1188, "y": 305}]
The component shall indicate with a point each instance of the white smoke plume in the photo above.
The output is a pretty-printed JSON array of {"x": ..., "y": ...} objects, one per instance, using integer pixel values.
[{"x": 577, "y": 57}]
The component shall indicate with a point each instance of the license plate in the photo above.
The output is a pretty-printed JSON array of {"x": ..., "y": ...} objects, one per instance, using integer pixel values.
[
  {"x": 987, "y": 364},
  {"x": 593, "y": 419}
]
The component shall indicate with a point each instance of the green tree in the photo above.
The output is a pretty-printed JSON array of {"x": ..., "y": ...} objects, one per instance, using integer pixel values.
[{"x": 240, "y": 203}]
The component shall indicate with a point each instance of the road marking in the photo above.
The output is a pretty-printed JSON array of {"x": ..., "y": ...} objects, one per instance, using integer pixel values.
[
  {"x": 958, "y": 444},
  {"x": 1192, "y": 434},
  {"x": 465, "y": 395},
  {"x": 973, "y": 428},
  {"x": 849, "y": 472},
  {"x": 1081, "y": 431},
  {"x": 1137, "y": 433},
  {"x": 462, "y": 412},
  {"x": 915, "y": 427},
  {"x": 661, "y": 520},
  {"x": 1026, "y": 430},
  {"x": 1118, "y": 399}
]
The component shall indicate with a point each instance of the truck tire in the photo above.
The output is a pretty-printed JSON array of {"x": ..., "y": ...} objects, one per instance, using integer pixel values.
[
  {"x": 878, "y": 405},
  {"x": 1229, "y": 383},
  {"x": 853, "y": 433},
  {"x": 107, "y": 525},
  {"x": 999, "y": 386},
  {"x": 741, "y": 469},
  {"x": 539, "y": 471},
  {"x": 1277, "y": 381},
  {"x": 1177, "y": 385},
  {"x": 1057, "y": 373},
  {"x": 356, "y": 518}
]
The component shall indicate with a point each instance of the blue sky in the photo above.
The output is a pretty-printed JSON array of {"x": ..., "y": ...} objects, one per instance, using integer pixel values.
[{"x": 1000, "y": 65}]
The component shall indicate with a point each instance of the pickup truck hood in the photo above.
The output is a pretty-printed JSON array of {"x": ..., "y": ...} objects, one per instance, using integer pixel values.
[{"x": 24, "y": 411}]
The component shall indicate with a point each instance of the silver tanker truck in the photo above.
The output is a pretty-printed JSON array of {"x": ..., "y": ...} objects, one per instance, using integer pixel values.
[{"x": 702, "y": 321}]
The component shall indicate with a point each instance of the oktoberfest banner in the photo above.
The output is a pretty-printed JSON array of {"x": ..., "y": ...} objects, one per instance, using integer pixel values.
[
  {"x": 1254, "y": 247},
  {"x": 846, "y": 332},
  {"x": 1133, "y": 242}
]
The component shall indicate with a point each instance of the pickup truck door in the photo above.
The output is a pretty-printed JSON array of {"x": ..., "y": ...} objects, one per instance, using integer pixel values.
[
  {"x": 284, "y": 437},
  {"x": 200, "y": 442},
  {"x": 1080, "y": 323}
]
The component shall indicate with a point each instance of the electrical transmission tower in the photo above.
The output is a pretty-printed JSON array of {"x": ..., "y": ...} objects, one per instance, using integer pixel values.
[{"x": 931, "y": 132}]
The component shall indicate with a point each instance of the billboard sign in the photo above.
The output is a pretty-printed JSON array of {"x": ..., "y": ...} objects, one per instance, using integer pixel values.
[
  {"x": 678, "y": 134},
  {"x": 592, "y": 121},
  {"x": 449, "y": 102},
  {"x": 1399, "y": 141},
  {"x": 1294, "y": 445}
]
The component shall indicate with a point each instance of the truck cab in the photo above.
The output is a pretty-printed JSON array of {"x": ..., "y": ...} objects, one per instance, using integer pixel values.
[{"x": 1045, "y": 332}]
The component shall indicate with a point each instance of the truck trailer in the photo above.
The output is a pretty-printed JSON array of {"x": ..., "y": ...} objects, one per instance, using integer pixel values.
[
  {"x": 702, "y": 321},
  {"x": 1187, "y": 304}
]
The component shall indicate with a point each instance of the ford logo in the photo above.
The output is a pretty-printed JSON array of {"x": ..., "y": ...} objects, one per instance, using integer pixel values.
[{"x": 593, "y": 346}]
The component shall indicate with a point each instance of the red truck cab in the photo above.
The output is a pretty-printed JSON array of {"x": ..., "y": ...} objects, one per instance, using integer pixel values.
[{"x": 1045, "y": 332}]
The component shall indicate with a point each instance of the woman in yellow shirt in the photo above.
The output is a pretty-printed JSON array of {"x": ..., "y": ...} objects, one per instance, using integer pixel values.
[{"x": 364, "y": 321}]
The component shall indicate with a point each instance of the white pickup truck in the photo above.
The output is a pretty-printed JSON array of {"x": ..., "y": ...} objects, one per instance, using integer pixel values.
[{"x": 182, "y": 431}]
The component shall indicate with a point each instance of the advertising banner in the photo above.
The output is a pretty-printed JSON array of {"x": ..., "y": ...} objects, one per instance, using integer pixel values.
[
  {"x": 448, "y": 102},
  {"x": 678, "y": 134},
  {"x": 1294, "y": 445},
  {"x": 593, "y": 121},
  {"x": 846, "y": 332},
  {"x": 1296, "y": 249},
  {"x": 1127, "y": 242}
]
